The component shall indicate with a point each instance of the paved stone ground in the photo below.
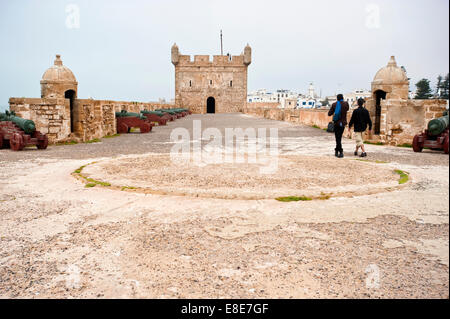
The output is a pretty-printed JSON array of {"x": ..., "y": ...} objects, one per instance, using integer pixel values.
[
  {"x": 308, "y": 140},
  {"x": 60, "y": 239}
]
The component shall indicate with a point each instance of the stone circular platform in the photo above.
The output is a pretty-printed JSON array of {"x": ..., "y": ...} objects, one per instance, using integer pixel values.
[{"x": 310, "y": 176}]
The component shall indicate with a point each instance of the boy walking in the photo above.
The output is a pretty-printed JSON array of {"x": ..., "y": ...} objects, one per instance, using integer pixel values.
[
  {"x": 339, "y": 111},
  {"x": 360, "y": 118}
]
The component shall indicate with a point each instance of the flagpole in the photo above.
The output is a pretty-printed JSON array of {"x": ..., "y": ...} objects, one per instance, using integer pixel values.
[{"x": 221, "y": 43}]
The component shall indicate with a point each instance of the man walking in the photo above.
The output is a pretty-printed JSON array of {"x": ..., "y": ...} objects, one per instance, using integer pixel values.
[
  {"x": 360, "y": 118},
  {"x": 339, "y": 111}
]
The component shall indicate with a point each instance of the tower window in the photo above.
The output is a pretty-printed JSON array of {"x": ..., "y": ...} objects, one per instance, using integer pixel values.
[
  {"x": 210, "y": 82},
  {"x": 231, "y": 83},
  {"x": 190, "y": 83}
]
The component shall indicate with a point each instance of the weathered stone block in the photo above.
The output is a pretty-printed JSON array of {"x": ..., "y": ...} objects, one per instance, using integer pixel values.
[
  {"x": 435, "y": 108},
  {"x": 54, "y": 129}
]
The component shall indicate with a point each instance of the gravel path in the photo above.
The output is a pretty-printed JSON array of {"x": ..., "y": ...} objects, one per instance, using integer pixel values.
[{"x": 60, "y": 239}]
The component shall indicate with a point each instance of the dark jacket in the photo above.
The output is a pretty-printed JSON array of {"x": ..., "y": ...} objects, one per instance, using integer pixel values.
[
  {"x": 344, "y": 110},
  {"x": 360, "y": 118}
]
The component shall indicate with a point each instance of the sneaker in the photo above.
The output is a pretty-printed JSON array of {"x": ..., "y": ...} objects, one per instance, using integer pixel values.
[
  {"x": 336, "y": 153},
  {"x": 341, "y": 155},
  {"x": 356, "y": 153},
  {"x": 364, "y": 154}
]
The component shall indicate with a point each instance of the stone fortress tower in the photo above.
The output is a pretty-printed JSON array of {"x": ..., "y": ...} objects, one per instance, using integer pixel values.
[{"x": 217, "y": 86}]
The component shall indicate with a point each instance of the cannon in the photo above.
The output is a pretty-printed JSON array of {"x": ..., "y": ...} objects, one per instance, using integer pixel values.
[
  {"x": 154, "y": 116},
  {"x": 175, "y": 114},
  {"x": 127, "y": 120},
  {"x": 436, "y": 136},
  {"x": 187, "y": 111},
  {"x": 16, "y": 133},
  {"x": 184, "y": 111},
  {"x": 124, "y": 113},
  {"x": 169, "y": 115}
]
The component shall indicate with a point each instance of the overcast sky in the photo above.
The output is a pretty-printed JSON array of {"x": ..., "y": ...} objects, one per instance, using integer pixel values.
[{"x": 121, "y": 49}]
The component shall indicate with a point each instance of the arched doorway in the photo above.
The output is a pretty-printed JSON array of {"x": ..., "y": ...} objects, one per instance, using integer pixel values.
[
  {"x": 210, "y": 105},
  {"x": 379, "y": 95},
  {"x": 70, "y": 94}
]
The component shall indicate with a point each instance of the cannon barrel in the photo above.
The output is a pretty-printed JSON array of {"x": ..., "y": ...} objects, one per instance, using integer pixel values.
[
  {"x": 124, "y": 113},
  {"x": 27, "y": 125},
  {"x": 172, "y": 112},
  {"x": 159, "y": 113},
  {"x": 438, "y": 125}
]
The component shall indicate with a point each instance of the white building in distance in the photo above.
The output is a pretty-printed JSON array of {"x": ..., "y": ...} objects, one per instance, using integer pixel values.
[
  {"x": 352, "y": 97},
  {"x": 261, "y": 96},
  {"x": 310, "y": 100},
  {"x": 287, "y": 98},
  {"x": 283, "y": 97}
]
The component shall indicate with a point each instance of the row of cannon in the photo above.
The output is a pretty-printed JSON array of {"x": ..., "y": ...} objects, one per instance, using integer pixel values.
[
  {"x": 16, "y": 133},
  {"x": 145, "y": 120}
]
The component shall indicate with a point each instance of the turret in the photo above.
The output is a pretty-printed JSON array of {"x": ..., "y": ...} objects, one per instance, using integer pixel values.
[
  {"x": 247, "y": 55},
  {"x": 175, "y": 54},
  {"x": 57, "y": 80},
  {"x": 393, "y": 80}
]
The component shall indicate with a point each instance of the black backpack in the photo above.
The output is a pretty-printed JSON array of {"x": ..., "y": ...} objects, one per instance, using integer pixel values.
[{"x": 330, "y": 128}]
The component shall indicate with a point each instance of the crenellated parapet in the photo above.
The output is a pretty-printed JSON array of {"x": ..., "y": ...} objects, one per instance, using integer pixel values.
[{"x": 207, "y": 60}]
